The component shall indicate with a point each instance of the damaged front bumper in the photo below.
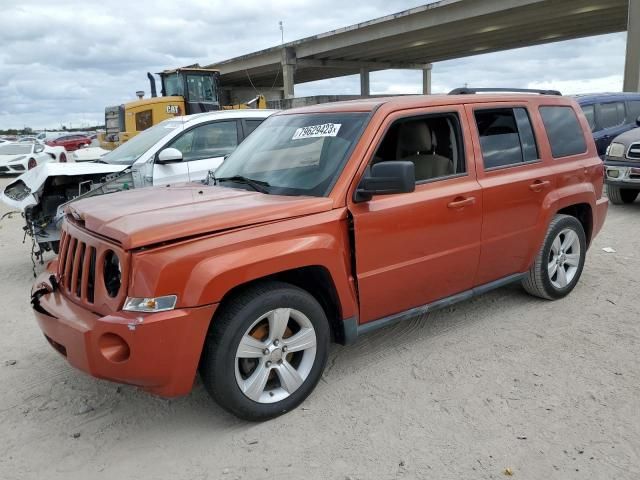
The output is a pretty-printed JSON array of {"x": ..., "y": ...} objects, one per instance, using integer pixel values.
[{"x": 158, "y": 352}]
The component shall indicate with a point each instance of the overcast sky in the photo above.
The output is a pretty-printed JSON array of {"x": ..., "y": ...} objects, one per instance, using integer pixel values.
[{"x": 62, "y": 62}]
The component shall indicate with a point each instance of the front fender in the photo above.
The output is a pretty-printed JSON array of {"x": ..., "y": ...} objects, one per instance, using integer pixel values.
[{"x": 204, "y": 270}]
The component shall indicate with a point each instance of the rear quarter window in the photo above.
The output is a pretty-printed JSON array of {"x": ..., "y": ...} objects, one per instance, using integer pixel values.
[{"x": 563, "y": 131}]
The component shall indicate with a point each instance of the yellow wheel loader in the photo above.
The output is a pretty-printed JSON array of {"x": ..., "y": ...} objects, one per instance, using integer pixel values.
[{"x": 185, "y": 91}]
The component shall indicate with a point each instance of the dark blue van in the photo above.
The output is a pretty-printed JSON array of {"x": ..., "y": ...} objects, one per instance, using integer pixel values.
[{"x": 609, "y": 115}]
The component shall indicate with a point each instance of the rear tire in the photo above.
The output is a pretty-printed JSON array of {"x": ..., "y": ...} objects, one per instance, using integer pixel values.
[
  {"x": 559, "y": 263},
  {"x": 619, "y": 196},
  {"x": 265, "y": 351}
]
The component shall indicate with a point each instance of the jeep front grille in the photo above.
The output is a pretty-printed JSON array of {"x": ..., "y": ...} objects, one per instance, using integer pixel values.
[{"x": 84, "y": 267}]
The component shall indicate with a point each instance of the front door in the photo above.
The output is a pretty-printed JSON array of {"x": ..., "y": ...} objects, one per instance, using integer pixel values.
[
  {"x": 414, "y": 248},
  {"x": 203, "y": 148}
]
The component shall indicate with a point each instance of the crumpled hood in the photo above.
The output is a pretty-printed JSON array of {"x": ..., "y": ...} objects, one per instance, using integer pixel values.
[
  {"x": 35, "y": 178},
  {"x": 147, "y": 216}
]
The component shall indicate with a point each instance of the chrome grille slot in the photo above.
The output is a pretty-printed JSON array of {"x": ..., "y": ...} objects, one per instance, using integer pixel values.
[{"x": 634, "y": 151}]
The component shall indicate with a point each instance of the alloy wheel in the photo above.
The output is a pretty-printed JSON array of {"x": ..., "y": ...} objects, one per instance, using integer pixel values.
[
  {"x": 564, "y": 258},
  {"x": 275, "y": 355}
]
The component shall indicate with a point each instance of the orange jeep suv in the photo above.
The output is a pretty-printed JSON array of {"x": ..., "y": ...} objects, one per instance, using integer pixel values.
[{"x": 328, "y": 222}]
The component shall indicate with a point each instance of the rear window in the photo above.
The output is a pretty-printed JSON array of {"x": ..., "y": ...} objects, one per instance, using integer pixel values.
[
  {"x": 610, "y": 114},
  {"x": 563, "y": 131}
]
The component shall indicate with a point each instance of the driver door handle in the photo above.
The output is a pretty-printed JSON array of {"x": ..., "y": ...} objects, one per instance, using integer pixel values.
[
  {"x": 460, "y": 202},
  {"x": 538, "y": 185}
]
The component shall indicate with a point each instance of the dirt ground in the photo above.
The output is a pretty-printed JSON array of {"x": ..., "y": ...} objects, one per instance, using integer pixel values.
[{"x": 501, "y": 384}]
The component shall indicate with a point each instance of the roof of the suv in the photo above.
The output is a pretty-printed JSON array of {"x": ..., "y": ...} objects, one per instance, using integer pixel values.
[
  {"x": 224, "y": 114},
  {"x": 417, "y": 101}
]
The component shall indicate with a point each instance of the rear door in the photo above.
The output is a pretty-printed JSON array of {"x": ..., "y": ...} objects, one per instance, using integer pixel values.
[
  {"x": 415, "y": 248},
  {"x": 514, "y": 182}
]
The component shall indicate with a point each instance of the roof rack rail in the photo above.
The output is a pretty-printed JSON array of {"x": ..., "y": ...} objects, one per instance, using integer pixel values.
[{"x": 467, "y": 91}]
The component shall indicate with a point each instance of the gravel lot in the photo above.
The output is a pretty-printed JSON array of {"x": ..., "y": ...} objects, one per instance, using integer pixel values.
[{"x": 547, "y": 390}]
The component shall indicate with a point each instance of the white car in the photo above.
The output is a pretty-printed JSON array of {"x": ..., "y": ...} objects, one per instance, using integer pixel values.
[
  {"x": 23, "y": 156},
  {"x": 181, "y": 149}
]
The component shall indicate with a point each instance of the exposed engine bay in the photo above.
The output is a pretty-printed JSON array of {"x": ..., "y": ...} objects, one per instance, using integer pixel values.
[{"x": 43, "y": 219}]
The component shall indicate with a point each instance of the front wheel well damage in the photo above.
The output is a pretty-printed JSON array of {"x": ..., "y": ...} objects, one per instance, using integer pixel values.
[{"x": 314, "y": 279}]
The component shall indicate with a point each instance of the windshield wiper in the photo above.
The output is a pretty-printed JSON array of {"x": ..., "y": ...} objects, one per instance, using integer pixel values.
[{"x": 257, "y": 185}]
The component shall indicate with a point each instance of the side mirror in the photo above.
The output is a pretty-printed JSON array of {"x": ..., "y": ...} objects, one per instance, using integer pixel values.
[
  {"x": 638, "y": 121},
  {"x": 38, "y": 149},
  {"x": 169, "y": 155},
  {"x": 387, "y": 178}
]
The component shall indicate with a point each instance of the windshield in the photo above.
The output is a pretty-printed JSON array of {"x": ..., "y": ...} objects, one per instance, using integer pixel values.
[
  {"x": 299, "y": 154},
  {"x": 132, "y": 150},
  {"x": 15, "y": 149}
]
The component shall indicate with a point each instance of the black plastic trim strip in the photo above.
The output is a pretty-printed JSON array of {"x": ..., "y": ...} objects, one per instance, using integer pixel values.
[{"x": 352, "y": 330}]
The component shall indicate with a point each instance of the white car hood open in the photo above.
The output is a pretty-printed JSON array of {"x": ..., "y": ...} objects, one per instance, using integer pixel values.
[{"x": 35, "y": 178}]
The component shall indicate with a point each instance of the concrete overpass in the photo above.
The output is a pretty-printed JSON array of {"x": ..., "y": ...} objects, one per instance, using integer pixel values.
[{"x": 445, "y": 30}]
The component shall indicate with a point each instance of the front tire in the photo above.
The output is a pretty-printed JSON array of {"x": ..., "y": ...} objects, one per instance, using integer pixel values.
[
  {"x": 265, "y": 351},
  {"x": 559, "y": 263},
  {"x": 619, "y": 196}
]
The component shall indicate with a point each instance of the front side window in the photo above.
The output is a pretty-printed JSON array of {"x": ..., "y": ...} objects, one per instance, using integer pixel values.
[
  {"x": 433, "y": 143},
  {"x": 211, "y": 140},
  {"x": 563, "y": 131},
  {"x": 297, "y": 154},
  {"x": 506, "y": 137}
]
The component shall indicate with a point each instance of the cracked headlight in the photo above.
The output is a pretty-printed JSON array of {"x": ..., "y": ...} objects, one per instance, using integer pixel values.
[
  {"x": 150, "y": 305},
  {"x": 18, "y": 191}
]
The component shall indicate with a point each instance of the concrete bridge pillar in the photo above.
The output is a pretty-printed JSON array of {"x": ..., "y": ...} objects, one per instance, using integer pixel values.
[
  {"x": 365, "y": 89},
  {"x": 632, "y": 62},
  {"x": 426, "y": 80},
  {"x": 288, "y": 71}
]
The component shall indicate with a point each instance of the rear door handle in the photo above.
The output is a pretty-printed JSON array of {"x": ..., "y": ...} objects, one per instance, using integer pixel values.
[
  {"x": 538, "y": 185},
  {"x": 460, "y": 202}
]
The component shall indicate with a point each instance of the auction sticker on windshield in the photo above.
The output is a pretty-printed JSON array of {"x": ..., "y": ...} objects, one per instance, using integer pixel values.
[{"x": 314, "y": 131}]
